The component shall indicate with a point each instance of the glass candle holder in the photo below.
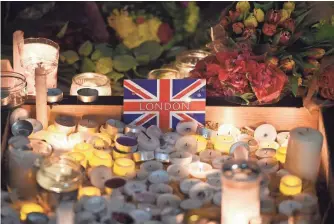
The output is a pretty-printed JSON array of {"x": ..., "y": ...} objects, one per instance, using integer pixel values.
[
  {"x": 186, "y": 61},
  {"x": 39, "y": 51},
  {"x": 93, "y": 81},
  {"x": 164, "y": 73},
  {"x": 58, "y": 174},
  {"x": 13, "y": 89}
]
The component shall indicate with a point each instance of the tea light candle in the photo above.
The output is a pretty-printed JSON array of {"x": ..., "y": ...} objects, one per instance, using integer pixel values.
[
  {"x": 240, "y": 150},
  {"x": 252, "y": 143},
  {"x": 116, "y": 154},
  {"x": 304, "y": 153},
  {"x": 186, "y": 127},
  {"x": 181, "y": 158},
  {"x": 65, "y": 124},
  {"x": 283, "y": 138},
  {"x": 100, "y": 158},
  {"x": 208, "y": 155},
  {"x": 189, "y": 204},
  {"x": 58, "y": 141},
  {"x": 201, "y": 191},
  {"x": 133, "y": 187},
  {"x": 186, "y": 143},
  {"x": 147, "y": 143},
  {"x": 154, "y": 131},
  {"x": 123, "y": 167},
  {"x": 126, "y": 144},
  {"x": 114, "y": 126},
  {"x": 281, "y": 154},
  {"x": 241, "y": 192},
  {"x": 199, "y": 169},
  {"x": 265, "y": 153},
  {"x": 84, "y": 148},
  {"x": 168, "y": 200},
  {"x": 177, "y": 172},
  {"x": 229, "y": 130},
  {"x": 268, "y": 165},
  {"x": 160, "y": 188},
  {"x": 158, "y": 177},
  {"x": 28, "y": 208},
  {"x": 288, "y": 207},
  {"x": 218, "y": 162},
  {"x": 223, "y": 143},
  {"x": 141, "y": 175},
  {"x": 265, "y": 132},
  {"x": 151, "y": 166},
  {"x": 290, "y": 185},
  {"x": 269, "y": 144},
  {"x": 88, "y": 125},
  {"x": 187, "y": 184},
  {"x": 309, "y": 202},
  {"x": 78, "y": 157},
  {"x": 88, "y": 191}
]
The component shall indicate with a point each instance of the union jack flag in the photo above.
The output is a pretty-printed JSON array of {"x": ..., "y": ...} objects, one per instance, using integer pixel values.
[{"x": 164, "y": 102}]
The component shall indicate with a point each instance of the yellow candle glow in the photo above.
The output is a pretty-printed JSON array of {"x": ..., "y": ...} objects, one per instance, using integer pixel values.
[
  {"x": 281, "y": 154},
  {"x": 100, "y": 158},
  {"x": 290, "y": 185},
  {"x": 124, "y": 166},
  {"x": 29, "y": 208},
  {"x": 84, "y": 148},
  {"x": 78, "y": 157},
  {"x": 88, "y": 191},
  {"x": 223, "y": 143},
  {"x": 201, "y": 143}
]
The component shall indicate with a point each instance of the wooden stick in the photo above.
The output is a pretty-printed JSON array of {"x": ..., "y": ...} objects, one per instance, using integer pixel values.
[
  {"x": 41, "y": 96},
  {"x": 18, "y": 38}
]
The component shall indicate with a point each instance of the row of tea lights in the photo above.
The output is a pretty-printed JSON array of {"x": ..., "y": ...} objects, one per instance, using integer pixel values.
[{"x": 187, "y": 151}]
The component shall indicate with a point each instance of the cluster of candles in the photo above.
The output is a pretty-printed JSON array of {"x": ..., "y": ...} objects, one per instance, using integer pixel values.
[{"x": 134, "y": 170}]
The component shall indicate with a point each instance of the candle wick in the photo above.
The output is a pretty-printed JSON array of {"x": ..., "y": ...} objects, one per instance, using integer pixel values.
[
  {"x": 210, "y": 153},
  {"x": 178, "y": 171},
  {"x": 146, "y": 135}
]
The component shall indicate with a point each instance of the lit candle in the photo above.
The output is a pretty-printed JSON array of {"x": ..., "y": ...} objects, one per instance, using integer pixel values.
[
  {"x": 186, "y": 127},
  {"x": 147, "y": 143},
  {"x": 290, "y": 185},
  {"x": 199, "y": 169},
  {"x": 268, "y": 165},
  {"x": 180, "y": 157},
  {"x": 163, "y": 73},
  {"x": 218, "y": 162},
  {"x": 84, "y": 148},
  {"x": 186, "y": 143},
  {"x": 241, "y": 187},
  {"x": 283, "y": 138},
  {"x": 88, "y": 191},
  {"x": 177, "y": 172},
  {"x": 208, "y": 155},
  {"x": 223, "y": 143},
  {"x": 201, "y": 191},
  {"x": 265, "y": 132},
  {"x": 288, "y": 207},
  {"x": 100, "y": 158},
  {"x": 151, "y": 166},
  {"x": 281, "y": 154},
  {"x": 29, "y": 208},
  {"x": 304, "y": 153},
  {"x": 187, "y": 184},
  {"x": 78, "y": 157},
  {"x": 269, "y": 144},
  {"x": 126, "y": 144},
  {"x": 88, "y": 125},
  {"x": 265, "y": 153},
  {"x": 123, "y": 167},
  {"x": 65, "y": 124}
]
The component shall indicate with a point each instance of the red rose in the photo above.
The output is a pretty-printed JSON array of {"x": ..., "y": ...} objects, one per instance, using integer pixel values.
[
  {"x": 165, "y": 33},
  {"x": 269, "y": 29},
  {"x": 273, "y": 16},
  {"x": 284, "y": 37},
  {"x": 238, "y": 27}
]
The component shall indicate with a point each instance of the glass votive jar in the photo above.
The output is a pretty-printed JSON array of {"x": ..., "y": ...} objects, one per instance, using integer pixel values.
[
  {"x": 164, "y": 73},
  {"x": 13, "y": 89},
  {"x": 59, "y": 174},
  {"x": 187, "y": 60},
  {"x": 39, "y": 51},
  {"x": 93, "y": 81}
]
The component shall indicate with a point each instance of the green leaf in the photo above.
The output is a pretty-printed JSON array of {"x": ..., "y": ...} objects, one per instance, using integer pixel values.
[
  {"x": 87, "y": 65},
  {"x": 293, "y": 82},
  {"x": 151, "y": 48},
  {"x": 97, "y": 54},
  {"x": 143, "y": 59},
  {"x": 264, "y": 6},
  {"x": 247, "y": 96},
  {"x": 105, "y": 49},
  {"x": 124, "y": 63},
  {"x": 70, "y": 56},
  {"x": 115, "y": 76},
  {"x": 62, "y": 31},
  {"x": 121, "y": 49},
  {"x": 330, "y": 51},
  {"x": 104, "y": 65},
  {"x": 300, "y": 18},
  {"x": 86, "y": 48},
  {"x": 276, "y": 38}
]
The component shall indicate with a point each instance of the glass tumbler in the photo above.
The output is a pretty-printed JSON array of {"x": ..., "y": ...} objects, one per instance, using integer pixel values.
[
  {"x": 186, "y": 61},
  {"x": 13, "y": 89},
  {"x": 93, "y": 81}
]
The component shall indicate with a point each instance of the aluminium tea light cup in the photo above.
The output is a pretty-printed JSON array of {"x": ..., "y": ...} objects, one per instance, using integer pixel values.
[
  {"x": 186, "y": 127},
  {"x": 208, "y": 156},
  {"x": 206, "y": 133},
  {"x": 87, "y": 95},
  {"x": 265, "y": 132},
  {"x": 171, "y": 137},
  {"x": 268, "y": 165},
  {"x": 161, "y": 157},
  {"x": 116, "y": 154},
  {"x": 290, "y": 185},
  {"x": 151, "y": 166},
  {"x": 124, "y": 167},
  {"x": 133, "y": 130},
  {"x": 180, "y": 157},
  {"x": 199, "y": 169},
  {"x": 88, "y": 125},
  {"x": 265, "y": 153},
  {"x": 250, "y": 140},
  {"x": 54, "y": 95},
  {"x": 147, "y": 143},
  {"x": 126, "y": 144},
  {"x": 142, "y": 156},
  {"x": 154, "y": 131},
  {"x": 65, "y": 124},
  {"x": 22, "y": 127},
  {"x": 187, "y": 184}
]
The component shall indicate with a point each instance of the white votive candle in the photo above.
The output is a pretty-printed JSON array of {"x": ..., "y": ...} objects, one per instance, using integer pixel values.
[{"x": 199, "y": 169}]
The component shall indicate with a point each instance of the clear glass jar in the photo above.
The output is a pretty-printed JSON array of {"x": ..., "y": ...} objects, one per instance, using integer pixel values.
[
  {"x": 59, "y": 174},
  {"x": 35, "y": 51},
  {"x": 164, "y": 73},
  {"x": 186, "y": 61},
  {"x": 91, "y": 80},
  {"x": 13, "y": 89}
]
